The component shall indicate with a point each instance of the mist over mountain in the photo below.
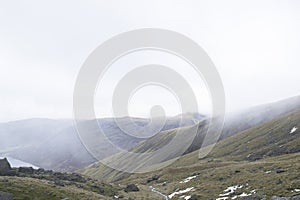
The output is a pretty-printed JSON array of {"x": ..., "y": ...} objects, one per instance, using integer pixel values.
[{"x": 55, "y": 144}]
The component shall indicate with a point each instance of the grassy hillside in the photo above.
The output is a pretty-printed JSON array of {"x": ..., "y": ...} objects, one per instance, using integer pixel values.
[
  {"x": 270, "y": 139},
  {"x": 264, "y": 159},
  {"x": 35, "y": 189}
]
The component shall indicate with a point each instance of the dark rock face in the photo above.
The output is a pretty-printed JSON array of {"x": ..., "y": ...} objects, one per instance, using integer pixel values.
[
  {"x": 6, "y": 196},
  {"x": 131, "y": 188},
  {"x": 58, "y": 178},
  {"x": 5, "y": 167}
]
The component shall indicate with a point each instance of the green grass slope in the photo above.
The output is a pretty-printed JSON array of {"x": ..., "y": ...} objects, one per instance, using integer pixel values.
[{"x": 264, "y": 159}]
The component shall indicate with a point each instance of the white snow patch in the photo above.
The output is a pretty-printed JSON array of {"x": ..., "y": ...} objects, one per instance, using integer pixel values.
[
  {"x": 188, "y": 179},
  {"x": 268, "y": 172},
  {"x": 185, "y": 197},
  {"x": 222, "y": 198},
  {"x": 181, "y": 192},
  {"x": 230, "y": 190},
  {"x": 244, "y": 194},
  {"x": 241, "y": 195},
  {"x": 297, "y": 190},
  {"x": 293, "y": 129},
  {"x": 158, "y": 192}
]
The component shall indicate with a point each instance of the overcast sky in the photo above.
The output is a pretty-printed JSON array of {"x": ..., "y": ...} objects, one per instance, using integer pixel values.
[{"x": 254, "y": 44}]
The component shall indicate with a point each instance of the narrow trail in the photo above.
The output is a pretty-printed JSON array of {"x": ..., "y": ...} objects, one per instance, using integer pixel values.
[{"x": 158, "y": 192}]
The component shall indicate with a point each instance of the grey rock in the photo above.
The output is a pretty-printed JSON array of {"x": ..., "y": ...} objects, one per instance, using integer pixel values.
[
  {"x": 280, "y": 198},
  {"x": 6, "y": 196},
  {"x": 4, "y": 166},
  {"x": 278, "y": 171},
  {"x": 253, "y": 197},
  {"x": 153, "y": 178},
  {"x": 296, "y": 197},
  {"x": 131, "y": 188},
  {"x": 194, "y": 197},
  {"x": 59, "y": 183},
  {"x": 26, "y": 170}
]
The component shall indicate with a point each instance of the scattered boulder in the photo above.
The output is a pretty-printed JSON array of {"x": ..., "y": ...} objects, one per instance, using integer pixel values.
[
  {"x": 6, "y": 196},
  {"x": 194, "y": 197},
  {"x": 278, "y": 171},
  {"x": 131, "y": 188},
  {"x": 153, "y": 178},
  {"x": 59, "y": 183},
  {"x": 46, "y": 193},
  {"x": 279, "y": 182},
  {"x": 97, "y": 189},
  {"x": 40, "y": 171}
]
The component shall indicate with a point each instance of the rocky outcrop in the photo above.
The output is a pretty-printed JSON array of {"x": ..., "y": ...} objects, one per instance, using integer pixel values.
[
  {"x": 74, "y": 177},
  {"x": 5, "y": 195},
  {"x": 153, "y": 178},
  {"x": 296, "y": 197},
  {"x": 5, "y": 168},
  {"x": 57, "y": 177},
  {"x": 26, "y": 170},
  {"x": 131, "y": 188}
]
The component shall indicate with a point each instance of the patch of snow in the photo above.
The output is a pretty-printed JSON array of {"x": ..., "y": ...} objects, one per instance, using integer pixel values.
[
  {"x": 244, "y": 194},
  {"x": 188, "y": 179},
  {"x": 181, "y": 192},
  {"x": 268, "y": 172},
  {"x": 297, "y": 190},
  {"x": 222, "y": 198},
  {"x": 159, "y": 193},
  {"x": 230, "y": 190},
  {"x": 293, "y": 129},
  {"x": 185, "y": 197}
]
